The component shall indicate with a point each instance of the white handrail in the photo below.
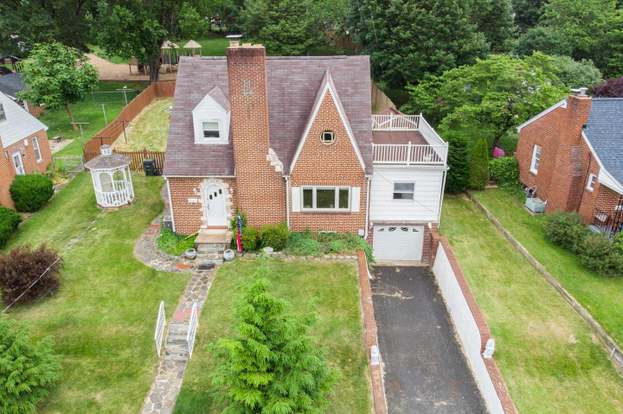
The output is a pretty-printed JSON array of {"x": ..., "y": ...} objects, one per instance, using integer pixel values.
[
  {"x": 409, "y": 154},
  {"x": 160, "y": 325},
  {"x": 395, "y": 122},
  {"x": 192, "y": 330}
]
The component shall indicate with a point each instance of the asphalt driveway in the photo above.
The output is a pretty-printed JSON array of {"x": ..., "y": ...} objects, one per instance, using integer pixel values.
[{"x": 425, "y": 370}]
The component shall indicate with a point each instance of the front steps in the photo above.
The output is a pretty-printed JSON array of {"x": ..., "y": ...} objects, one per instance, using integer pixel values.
[{"x": 211, "y": 242}]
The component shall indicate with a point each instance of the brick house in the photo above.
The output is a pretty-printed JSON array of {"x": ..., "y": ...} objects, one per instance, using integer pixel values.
[
  {"x": 572, "y": 155},
  {"x": 293, "y": 140},
  {"x": 25, "y": 147}
]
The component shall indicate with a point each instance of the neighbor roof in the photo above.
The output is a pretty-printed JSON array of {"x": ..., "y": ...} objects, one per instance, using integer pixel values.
[
  {"x": 18, "y": 124},
  {"x": 11, "y": 84},
  {"x": 604, "y": 130},
  {"x": 293, "y": 83}
]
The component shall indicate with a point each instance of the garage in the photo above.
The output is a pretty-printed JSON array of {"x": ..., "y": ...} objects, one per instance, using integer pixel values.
[{"x": 395, "y": 242}]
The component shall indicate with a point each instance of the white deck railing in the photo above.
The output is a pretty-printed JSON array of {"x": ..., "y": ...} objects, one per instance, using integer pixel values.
[
  {"x": 192, "y": 329},
  {"x": 120, "y": 194},
  {"x": 161, "y": 322},
  {"x": 395, "y": 122},
  {"x": 409, "y": 154}
]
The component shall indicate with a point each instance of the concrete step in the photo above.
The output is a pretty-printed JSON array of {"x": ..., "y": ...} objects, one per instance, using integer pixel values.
[
  {"x": 176, "y": 339},
  {"x": 177, "y": 329}
]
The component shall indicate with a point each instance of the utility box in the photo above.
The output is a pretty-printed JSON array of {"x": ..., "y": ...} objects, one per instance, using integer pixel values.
[{"x": 535, "y": 205}]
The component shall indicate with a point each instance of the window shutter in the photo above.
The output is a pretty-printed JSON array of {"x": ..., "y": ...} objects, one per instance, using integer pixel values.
[
  {"x": 354, "y": 199},
  {"x": 296, "y": 199}
]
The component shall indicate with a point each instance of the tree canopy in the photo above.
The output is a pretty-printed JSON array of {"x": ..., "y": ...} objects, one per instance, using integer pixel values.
[{"x": 612, "y": 88}]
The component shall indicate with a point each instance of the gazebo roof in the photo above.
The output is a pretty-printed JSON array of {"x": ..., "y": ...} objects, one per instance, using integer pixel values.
[
  {"x": 191, "y": 44},
  {"x": 107, "y": 160}
]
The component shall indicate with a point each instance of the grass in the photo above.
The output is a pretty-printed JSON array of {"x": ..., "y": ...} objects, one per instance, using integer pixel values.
[
  {"x": 89, "y": 110},
  {"x": 174, "y": 244},
  {"x": 149, "y": 130},
  {"x": 600, "y": 294},
  {"x": 102, "y": 318},
  {"x": 549, "y": 359},
  {"x": 328, "y": 289},
  {"x": 99, "y": 52}
]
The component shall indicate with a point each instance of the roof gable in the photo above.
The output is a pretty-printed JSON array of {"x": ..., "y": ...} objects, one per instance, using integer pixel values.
[
  {"x": 11, "y": 84},
  {"x": 18, "y": 124}
]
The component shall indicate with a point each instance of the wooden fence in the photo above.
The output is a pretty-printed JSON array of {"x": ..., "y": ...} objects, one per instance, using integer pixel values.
[
  {"x": 109, "y": 134},
  {"x": 136, "y": 158}
]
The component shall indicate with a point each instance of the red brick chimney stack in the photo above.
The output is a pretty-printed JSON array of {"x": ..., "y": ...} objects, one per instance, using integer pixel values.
[{"x": 260, "y": 189}]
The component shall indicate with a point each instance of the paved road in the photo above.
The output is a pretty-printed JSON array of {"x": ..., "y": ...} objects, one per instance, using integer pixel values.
[{"x": 425, "y": 370}]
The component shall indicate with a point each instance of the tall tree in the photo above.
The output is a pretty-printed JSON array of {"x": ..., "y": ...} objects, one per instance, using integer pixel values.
[
  {"x": 478, "y": 165},
  {"x": 285, "y": 27},
  {"x": 494, "y": 18},
  {"x": 408, "y": 39},
  {"x": 272, "y": 365},
  {"x": 57, "y": 76},
  {"x": 527, "y": 13},
  {"x": 24, "y": 23},
  {"x": 458, "y": 172},
  {"x": 130, "y": 28}
]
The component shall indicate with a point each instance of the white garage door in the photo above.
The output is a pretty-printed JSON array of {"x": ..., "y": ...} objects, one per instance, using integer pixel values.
[{"x": 398, "y": 242}]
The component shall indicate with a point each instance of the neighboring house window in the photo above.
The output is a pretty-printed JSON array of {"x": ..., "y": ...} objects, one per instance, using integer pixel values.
[
  {"x": 211, "y": 129},
  {"x": 2, "y": 113},
  {"x": 590, "y": 183},
  {"x": 18, "y": 164},
  {"x": 36, "y": 149},
  {"x": 536, "y": 159},
  {"x": 327, "y": 137},
  {"x": 404, "y": 191},
  {"x": 326, "y": 198}
]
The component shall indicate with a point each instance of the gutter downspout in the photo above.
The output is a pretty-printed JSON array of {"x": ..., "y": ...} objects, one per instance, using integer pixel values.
[
  {"x": 365, "y": 231},
  {"x": 170, "y": 203},
  {"x": 287, "y": 178},
  {"x": 443, "y": 188}
]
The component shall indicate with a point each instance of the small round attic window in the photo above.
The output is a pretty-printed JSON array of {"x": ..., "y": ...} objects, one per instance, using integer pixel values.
[{"x": 327, "y": 137}]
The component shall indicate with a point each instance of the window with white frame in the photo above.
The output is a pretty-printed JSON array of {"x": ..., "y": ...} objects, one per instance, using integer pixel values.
[
  {"x": 36, "y": 149},
  {"x": 2, "y": 113},
  {"x": 536, "y": 159},
  {"x": 403, "y": 191},
  {"x": 590, "y": 182},
  {"x": 211, "y": 129},
  {"x": 326, "y": 198}
]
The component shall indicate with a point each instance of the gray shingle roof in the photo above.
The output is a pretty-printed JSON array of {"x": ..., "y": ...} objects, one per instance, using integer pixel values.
[
  {"x": 293, "y": 84},
  {"x": 11, "y": 84},
  {"x": 604, "y": 130}
]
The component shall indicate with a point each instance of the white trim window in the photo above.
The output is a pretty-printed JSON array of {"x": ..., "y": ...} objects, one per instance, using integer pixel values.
[
  {"x": 403, "y": 191},
  {"x": 211, "y": 129},
  {"x": 2, "y": 113},
  {"x": 590, "y": 182},
  {"x": 536, "y": 159},
  {"x": 325, "y": 198},
  {"x": 18, "y": 163},
  {"x": 36, "y": 149}
]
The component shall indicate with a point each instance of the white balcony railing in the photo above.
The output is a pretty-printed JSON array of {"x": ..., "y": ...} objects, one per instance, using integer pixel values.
[
  {"x": 409, "y": 154},
  {"x": 395, "y": 122}
]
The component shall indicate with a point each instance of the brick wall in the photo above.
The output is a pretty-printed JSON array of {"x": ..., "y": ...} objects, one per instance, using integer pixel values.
[
  {"x": 261, "y": 190},
  {"x": 7, "y": 169},
  {"x": 335, "y": 165},
  {"x": 188, "y": 215},
  {"x": 562, "y": 170}
]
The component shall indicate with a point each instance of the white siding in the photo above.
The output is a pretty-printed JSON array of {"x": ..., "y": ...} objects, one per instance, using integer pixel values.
[
  {"x": 425, "y": 205},
  {"x": 18, "y": 124}
]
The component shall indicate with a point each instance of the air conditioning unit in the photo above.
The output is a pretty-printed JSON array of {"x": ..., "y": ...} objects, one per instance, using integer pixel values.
[{"x": 535, "y": 205}]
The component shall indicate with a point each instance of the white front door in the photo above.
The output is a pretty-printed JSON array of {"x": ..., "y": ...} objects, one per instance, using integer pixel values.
[
  {"x": 397, "y": 242},
  {"x": 214, "y": 202},
  {"x": 19, "y": 165}
]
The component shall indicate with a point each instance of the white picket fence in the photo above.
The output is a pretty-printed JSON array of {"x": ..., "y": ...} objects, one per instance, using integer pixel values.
[
  {"x": 192, "y": 329},
  {"x": 161, "y": 323}
]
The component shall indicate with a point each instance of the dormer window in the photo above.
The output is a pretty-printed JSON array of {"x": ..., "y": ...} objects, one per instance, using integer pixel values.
[
  {"x": 211, "y": 129},
  {"x": 2, "y": 113}
]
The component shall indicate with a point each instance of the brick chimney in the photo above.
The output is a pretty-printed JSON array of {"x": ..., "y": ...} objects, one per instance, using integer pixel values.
[{"x": 260, "y": 190}]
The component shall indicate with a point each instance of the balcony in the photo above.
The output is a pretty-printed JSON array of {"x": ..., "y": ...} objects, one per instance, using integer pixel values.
[{"x": 400, "y": 139}]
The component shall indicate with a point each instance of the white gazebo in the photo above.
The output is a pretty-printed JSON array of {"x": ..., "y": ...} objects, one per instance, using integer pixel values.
[
  {"x": 111, "y": 178},
  {"x": 193, "y": 47}
]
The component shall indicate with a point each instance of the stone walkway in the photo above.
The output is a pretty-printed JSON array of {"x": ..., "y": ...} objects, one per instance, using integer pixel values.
[{"x": 174, "y": 358}]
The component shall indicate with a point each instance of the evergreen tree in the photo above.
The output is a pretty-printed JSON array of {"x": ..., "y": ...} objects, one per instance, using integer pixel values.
[
  {"x": 494, "y": 18},
  {"x": 456, "y": 181},
  {"x": 527, "y": 13},
  {"x": 408, "y": 39},
  {"x": 479, "y": 165},
  {"x": 272, "y": 365}
]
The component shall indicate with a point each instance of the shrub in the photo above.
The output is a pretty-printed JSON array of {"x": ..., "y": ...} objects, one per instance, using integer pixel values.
[
  {"x": 30, "y": 192},
  {"x": 479, "y": 165},
  {"x": 22, "y": 266},
  {"x": 345, "y": 243},
  {"x": 504, "y": 171},
  {"x": 618, "y": 242},
  {"x": 250, "y": 238},
  {"x": 173, "y": 243},
  {"x": 566, "y": 230},
  {"x": 9, "y": 220},
  {"x": 27, "y": 369},
  {"x": 598, "y": 253},
  {"x": 459, "y": 168},
  {"x": 274, "y": 235},
  {"x": 303, "y": 244}
]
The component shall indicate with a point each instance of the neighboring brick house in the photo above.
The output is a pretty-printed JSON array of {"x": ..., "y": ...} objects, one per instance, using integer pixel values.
[
  {"x": 25, "y": 147},
  {"x": 293, "y": 140},
  {"x": 571, "y": 155}
]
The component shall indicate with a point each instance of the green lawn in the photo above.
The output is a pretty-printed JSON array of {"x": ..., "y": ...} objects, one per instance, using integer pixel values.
[
  {"x": 89, "y": 110},
  {"x": 328, "y": 289},
  {"x": 99, "y": 52},
  {"x": 601, "y": 295},
  {"x": 150, "y": 129},
  {"x": 102, "y": 319},
  {"x": 547, "y": 354}
]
